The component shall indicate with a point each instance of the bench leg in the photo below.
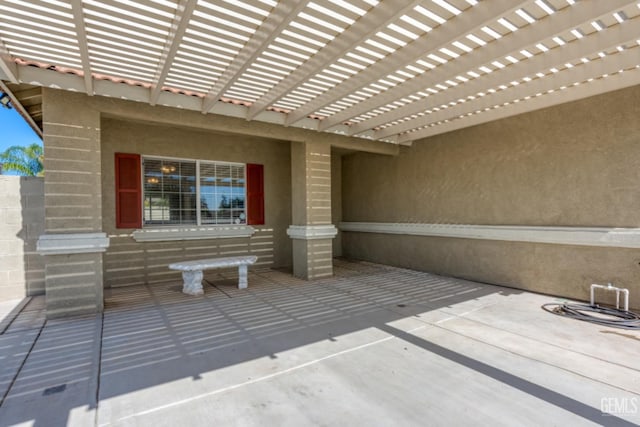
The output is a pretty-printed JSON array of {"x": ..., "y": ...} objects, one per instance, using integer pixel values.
[
  {"x": 192, "y": 282},
  {"x": 242, "y": 277}
]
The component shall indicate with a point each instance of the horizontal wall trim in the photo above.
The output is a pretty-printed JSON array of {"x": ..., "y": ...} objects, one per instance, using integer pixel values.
[
  {"x": 583, "y": 236},
  {"x": 192, "y": 233},
  {"x": 76, "y": 243},
  {"x": 312, "y": 232}
]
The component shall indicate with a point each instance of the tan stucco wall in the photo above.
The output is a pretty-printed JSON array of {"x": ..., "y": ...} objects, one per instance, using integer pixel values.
[
  {"x": 576, "y": 164},
  {"x": 311, "y": 192},
  {"x": 79, "y": 188},
  {"x": 72, "y": 200},
  {"x": 129, "y": 262},
  {"x": 336, "y": 200}
]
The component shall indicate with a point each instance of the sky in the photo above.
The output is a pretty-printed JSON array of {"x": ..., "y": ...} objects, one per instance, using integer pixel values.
[{"x": 14, "y": 130}]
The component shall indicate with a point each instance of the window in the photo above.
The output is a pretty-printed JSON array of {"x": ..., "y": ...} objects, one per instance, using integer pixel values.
[
  {"x": 164, "y": 191},
  {"x": 193, "y": 192}
]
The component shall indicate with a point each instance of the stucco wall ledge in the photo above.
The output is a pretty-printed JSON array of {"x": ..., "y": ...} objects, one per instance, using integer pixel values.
[
  {"x": 312, "y": 232},
  {"x": 192, "y": 233},
  {"x": 76, "y": 243},
  {"x": 583, "y": 236}
]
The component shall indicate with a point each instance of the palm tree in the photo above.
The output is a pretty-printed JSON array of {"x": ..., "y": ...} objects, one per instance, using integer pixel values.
[{"x": 26, "y": 161}]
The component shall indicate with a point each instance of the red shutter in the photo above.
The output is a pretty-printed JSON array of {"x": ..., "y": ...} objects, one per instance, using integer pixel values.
[
  {"x": 128, "y": 191},
  {"x": 255, "y": 194}
]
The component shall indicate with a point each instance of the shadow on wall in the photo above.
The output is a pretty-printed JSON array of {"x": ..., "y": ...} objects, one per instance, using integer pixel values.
[{"x": 21, "y": 223}]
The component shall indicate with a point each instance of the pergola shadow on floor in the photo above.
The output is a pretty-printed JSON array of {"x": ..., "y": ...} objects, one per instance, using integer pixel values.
[{"x": 373, "y": 345}]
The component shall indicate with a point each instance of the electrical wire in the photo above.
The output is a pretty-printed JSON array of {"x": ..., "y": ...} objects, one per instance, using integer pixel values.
[{"x": 614, "y": 318}]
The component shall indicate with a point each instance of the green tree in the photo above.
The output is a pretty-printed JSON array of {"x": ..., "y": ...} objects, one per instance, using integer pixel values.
[{"x": 26, "y": 161}]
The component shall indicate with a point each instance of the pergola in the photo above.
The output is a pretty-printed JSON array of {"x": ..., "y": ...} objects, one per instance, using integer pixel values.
[
  {"x": 404, "y": 176},
  {"x": 393, "y": 71}
]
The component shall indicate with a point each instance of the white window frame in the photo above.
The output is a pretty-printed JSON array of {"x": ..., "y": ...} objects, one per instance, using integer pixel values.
[{"x": 166, "y": 232}]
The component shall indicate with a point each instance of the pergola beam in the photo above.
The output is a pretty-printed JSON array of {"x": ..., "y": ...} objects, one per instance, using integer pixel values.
[
  {"x": 8, "y": 67},
  {"x": 609, "y": 38},
  {"x": 20, "y": 109},
  {"x": 457, "y": 27},
  {"x": 379, "y": 17},
  {"x": 550, "y": 93},
  {"x": 81, "y": 33},
  {"x": 563, "y": 20},
  {"x": 178, "y": 28},
  {"x": 271, "y": 28},
  {"x": 235, "y": 114}
]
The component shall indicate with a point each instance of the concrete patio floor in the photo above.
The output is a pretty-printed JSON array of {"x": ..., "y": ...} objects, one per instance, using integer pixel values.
[{"x": 373, "y": 345}]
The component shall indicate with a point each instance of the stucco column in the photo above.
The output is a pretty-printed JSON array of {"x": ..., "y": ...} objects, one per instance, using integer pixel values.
[
  {"x": 73, "y": 241},
  {"x": 311, "y": 231}
]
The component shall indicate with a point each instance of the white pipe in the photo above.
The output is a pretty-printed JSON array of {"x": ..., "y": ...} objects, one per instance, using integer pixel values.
[{"x": 610, "y": 287}]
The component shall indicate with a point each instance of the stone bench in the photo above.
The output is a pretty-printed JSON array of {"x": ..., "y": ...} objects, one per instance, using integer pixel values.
[{"x": 192, "y": 271}]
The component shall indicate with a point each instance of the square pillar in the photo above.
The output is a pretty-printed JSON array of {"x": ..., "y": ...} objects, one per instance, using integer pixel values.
[
  {"x": 311, "y": 231},
  {"x": 73, "y": 242}
]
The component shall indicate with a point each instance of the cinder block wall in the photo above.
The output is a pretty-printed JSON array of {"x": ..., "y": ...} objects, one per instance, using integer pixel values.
[
  {"x": 573, "y": 165},
  {"x": 21, "y": 223}
]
